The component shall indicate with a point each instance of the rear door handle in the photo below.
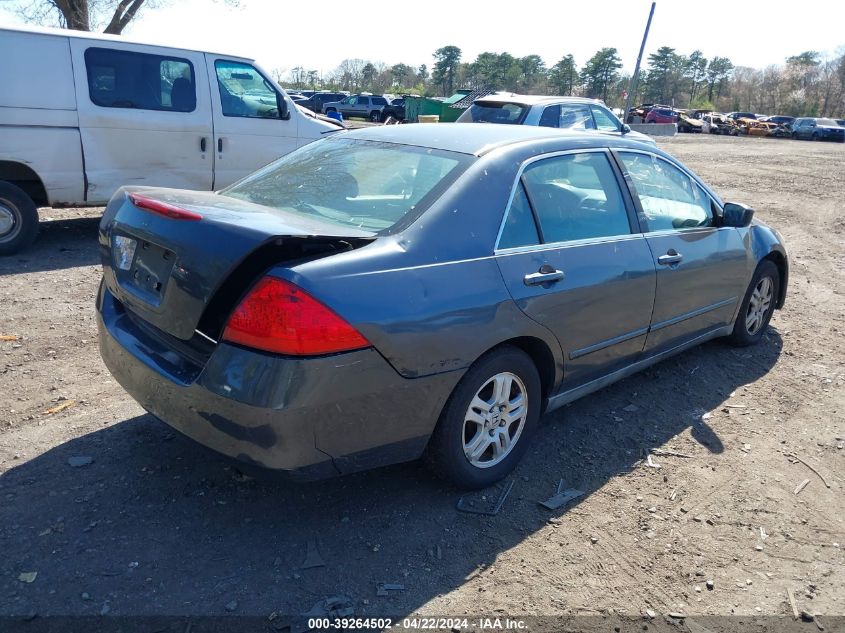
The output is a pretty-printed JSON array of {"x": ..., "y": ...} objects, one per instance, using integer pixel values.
[
  {"x": 546, "y": 275},
  {"x": 202, "y": 144},
  {"x": 220, "y": 144},
  {"x": 671, "y": 257}
]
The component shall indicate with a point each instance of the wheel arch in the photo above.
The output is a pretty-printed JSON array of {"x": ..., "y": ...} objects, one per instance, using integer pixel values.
[
  {"x": 26, "y": 179},
  {"x": 542, "y": 357},
  {"x": 779, "y": 260}
]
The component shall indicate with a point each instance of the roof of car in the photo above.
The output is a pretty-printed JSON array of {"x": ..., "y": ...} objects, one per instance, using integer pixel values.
[
  {"x": 511, "y": 97},
  {"x": 479, "y": 138}
]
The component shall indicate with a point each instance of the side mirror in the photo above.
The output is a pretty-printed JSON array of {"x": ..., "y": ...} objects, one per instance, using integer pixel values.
[
  {"x": 625, "y": 128},
  {"x": 284, "y": 113},
  {"x": 737, "y": 215}
]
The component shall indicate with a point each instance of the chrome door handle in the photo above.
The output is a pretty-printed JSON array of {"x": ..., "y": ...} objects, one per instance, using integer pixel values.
[
  {"x": 671, "y": 257},
  {"x": 546, "y": 275}
]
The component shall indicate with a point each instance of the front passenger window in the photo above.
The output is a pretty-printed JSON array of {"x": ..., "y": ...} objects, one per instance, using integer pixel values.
[
  {"x": 576, "y": 116},
  {"x": 670, "y": 200},
  {"x": 603, "y": 120}
]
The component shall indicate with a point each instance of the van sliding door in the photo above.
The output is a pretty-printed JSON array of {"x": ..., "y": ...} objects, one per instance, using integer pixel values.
[{"x": 144, "y": 117}]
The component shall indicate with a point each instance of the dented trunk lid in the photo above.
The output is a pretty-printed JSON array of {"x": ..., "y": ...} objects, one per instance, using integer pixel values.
[{"x": 166, "y": 270}]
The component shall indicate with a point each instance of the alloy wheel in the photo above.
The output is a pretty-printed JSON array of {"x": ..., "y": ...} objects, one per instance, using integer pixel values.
[
  {"x": 758, "y": 305},
  {"x": 494, "y": 420}
]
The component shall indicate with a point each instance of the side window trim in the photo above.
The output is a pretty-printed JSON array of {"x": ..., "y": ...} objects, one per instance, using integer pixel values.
[
  {"x": 717, "y": 208},
  {"x": 531, "y": 205},
  {"x": 629, "y": 202}
]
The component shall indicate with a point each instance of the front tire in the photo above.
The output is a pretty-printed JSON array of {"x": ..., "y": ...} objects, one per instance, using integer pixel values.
[
  {"x": 757, "y": 306},
  {"x": 18, "y": 219},
  {"x": 488, "y": 421}
]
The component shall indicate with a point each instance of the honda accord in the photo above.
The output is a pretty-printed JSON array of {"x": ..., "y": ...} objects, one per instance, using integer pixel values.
[{"x": 413, "y": 291}]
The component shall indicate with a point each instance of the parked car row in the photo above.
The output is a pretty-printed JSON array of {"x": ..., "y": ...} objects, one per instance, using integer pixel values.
[
  {"x": 376, "y": 108},
  {"x": 741, "y": 123}
]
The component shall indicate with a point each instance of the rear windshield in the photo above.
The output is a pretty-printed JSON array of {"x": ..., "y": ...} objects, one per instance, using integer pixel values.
[
  {"x": 368, "y": 185},
  {"x": 494, "y": 112}
]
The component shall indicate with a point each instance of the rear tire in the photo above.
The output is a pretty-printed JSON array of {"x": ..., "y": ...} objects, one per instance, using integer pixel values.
[
  {"x": 375, "y": 116},
  {"x": 18, "y": 219},
  {"x": 757, "y": 306},
  {"x": 475, "y": 446}
]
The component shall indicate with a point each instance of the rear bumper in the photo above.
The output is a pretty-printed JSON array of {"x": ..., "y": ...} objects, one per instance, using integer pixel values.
[{"x": 312, "y": 417}]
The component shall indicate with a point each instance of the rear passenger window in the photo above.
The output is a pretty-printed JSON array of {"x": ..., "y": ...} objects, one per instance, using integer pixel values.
[
  {"x": 550, "y": 117},
  {"x": 126, "y": 79},
  {"x": 519, "y": 229},
  {"x": 576, "y": 197}
]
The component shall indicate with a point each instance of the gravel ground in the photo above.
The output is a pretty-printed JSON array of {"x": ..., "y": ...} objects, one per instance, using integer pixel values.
[{"x": 104, "y": 510}]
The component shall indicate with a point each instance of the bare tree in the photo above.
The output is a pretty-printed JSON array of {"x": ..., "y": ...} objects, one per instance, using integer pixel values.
[{"x": 85, "y": 15}]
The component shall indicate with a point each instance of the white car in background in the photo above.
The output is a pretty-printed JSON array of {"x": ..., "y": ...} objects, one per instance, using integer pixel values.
[{"x": 560, "y": 112}]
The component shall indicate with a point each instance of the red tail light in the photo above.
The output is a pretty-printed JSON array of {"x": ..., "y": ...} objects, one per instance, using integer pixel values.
[
  {"x": 163, "y": 208},
  {"x": 277, "y": 316}
]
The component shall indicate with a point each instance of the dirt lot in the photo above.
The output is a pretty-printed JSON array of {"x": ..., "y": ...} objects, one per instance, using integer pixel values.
[{"x": 156, "y": 525}]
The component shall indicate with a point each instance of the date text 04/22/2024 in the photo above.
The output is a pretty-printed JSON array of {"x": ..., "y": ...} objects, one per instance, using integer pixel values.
[{"x": 423, "y": 623}]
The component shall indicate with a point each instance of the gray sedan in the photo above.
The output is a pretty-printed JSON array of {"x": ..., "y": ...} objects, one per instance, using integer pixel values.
[{"x": 407, "y": 291}]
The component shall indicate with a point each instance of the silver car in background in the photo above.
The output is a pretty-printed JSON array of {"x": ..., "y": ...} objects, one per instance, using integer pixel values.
[{"x": 570, "y": 113}]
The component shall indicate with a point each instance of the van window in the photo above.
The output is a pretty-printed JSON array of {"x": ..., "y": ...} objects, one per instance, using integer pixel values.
[
  {"x": 244, "y": 92},
  {"x": 126, "y": 79}
]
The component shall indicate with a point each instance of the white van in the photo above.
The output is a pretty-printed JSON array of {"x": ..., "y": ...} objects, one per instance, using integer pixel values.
[{"x": 82, "y": 114}]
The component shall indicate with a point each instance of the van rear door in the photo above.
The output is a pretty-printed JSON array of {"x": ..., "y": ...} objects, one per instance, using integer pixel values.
[
  {"x": 249, "y": 130},
  {"x": 144, "y": 117}
]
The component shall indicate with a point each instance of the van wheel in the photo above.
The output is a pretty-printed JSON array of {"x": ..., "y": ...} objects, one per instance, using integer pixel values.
[
  {"x": 375, "y": 116},
  {"x": 328, "y": 110},
  {"x": 18, "y": 219},
  {"x": 488, "y": 421}
]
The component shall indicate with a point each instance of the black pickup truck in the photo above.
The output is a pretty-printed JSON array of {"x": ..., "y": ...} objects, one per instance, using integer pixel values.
[{"x": 396, "y": 109}]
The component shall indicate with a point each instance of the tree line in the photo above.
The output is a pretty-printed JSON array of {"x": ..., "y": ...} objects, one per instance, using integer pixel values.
[{"x": 807, "y": 84}]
